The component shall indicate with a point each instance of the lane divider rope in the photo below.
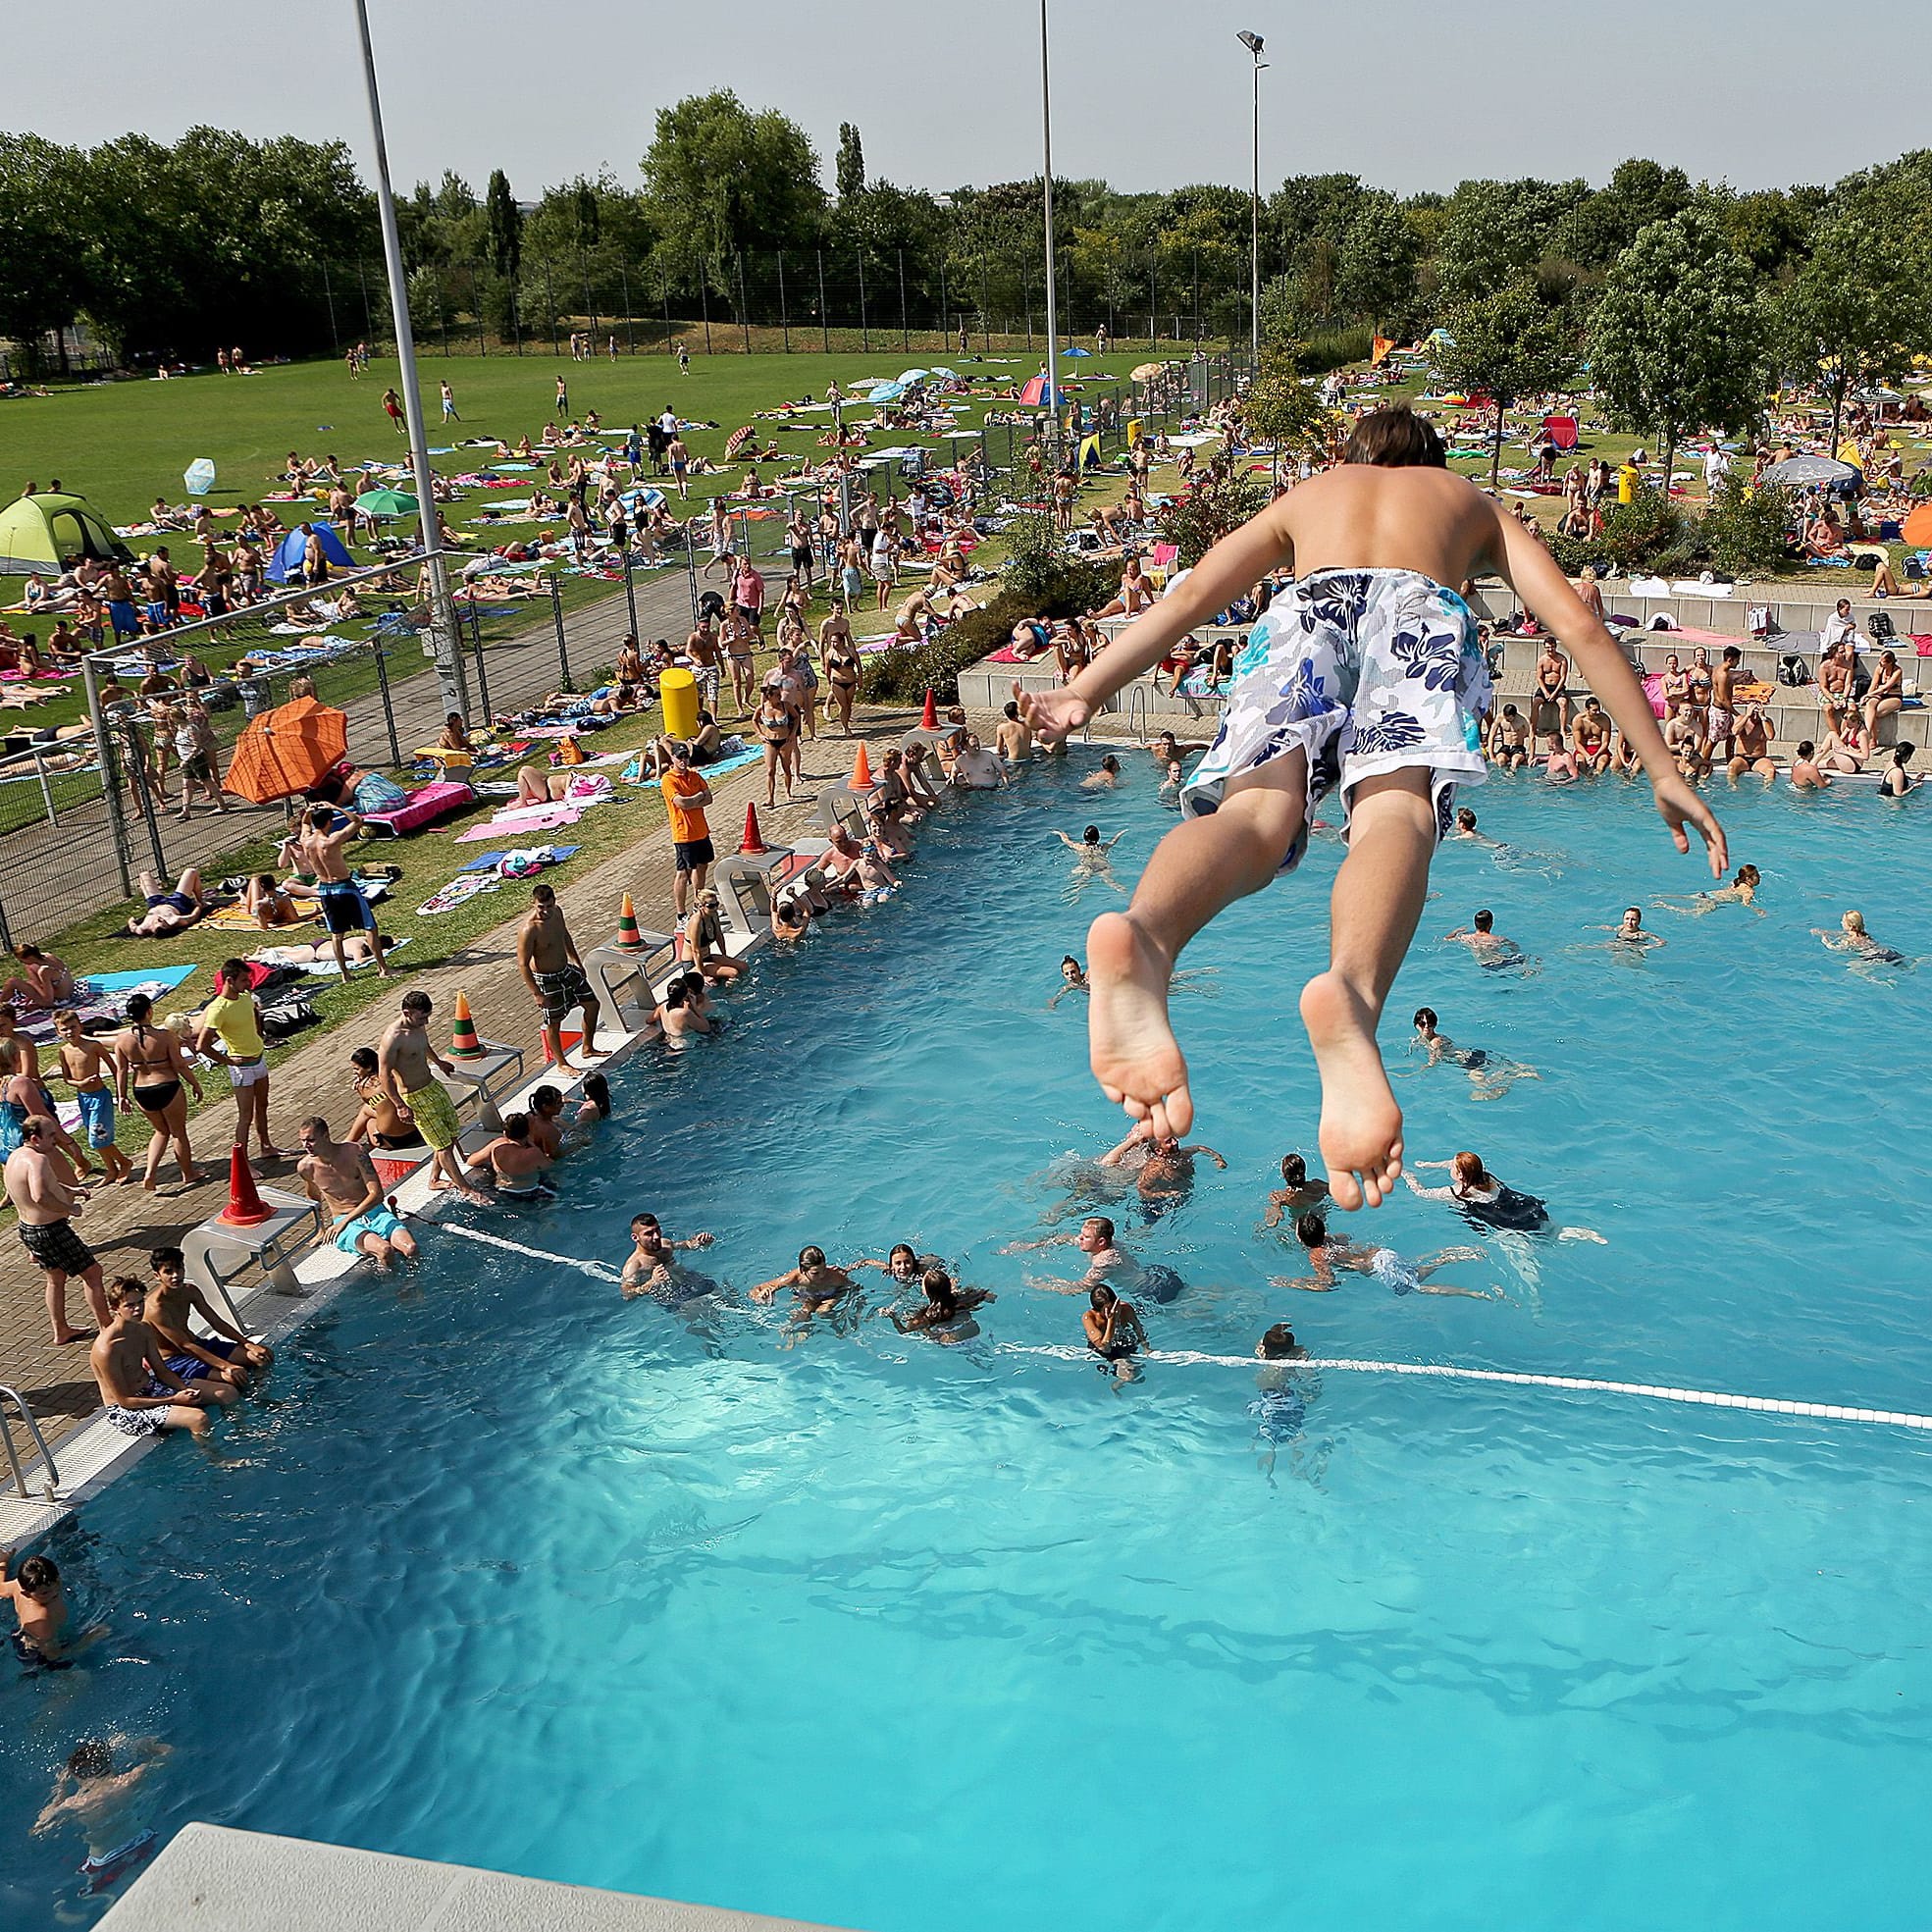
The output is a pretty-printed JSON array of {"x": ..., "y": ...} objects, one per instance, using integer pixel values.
[
  {"x": 1708, "y": 1398},
  {"x": 595, "y": 1268}
]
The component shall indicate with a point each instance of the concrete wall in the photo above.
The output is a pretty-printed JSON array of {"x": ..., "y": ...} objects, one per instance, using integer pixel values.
[{"x": 212, "y": 1879}]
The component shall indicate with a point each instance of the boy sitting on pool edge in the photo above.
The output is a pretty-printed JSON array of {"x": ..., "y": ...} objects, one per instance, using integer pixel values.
[{"x": 1365, "y": 674}]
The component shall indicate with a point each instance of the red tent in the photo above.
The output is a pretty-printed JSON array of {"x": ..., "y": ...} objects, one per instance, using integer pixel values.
[
  {"x": 1034, "y": 394},
  {"x": 1562, "y": 431}
]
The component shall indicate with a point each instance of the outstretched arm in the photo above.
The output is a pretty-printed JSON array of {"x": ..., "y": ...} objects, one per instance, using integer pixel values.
[
  {"x": 1532, "y": 572},
  {"x": 1233, "y": 566}
]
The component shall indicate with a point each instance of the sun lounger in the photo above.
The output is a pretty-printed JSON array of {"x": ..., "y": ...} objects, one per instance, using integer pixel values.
[{"x": 424, "y": 806}]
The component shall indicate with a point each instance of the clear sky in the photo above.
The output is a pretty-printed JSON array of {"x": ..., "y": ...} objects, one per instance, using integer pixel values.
[{"x": 1149, "y": 93}]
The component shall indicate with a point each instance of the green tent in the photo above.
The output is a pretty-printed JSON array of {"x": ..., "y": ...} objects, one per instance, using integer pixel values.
[{"x": 39, "y": 533}]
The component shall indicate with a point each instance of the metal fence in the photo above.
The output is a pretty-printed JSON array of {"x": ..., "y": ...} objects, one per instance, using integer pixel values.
[{"x": 78, "y": 830}]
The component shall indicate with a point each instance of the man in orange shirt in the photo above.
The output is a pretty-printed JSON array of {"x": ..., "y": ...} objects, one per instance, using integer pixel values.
[{"x": 686, "y": 795}]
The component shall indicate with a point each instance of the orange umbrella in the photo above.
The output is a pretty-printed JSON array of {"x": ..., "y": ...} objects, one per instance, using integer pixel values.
[
  {"x": 287, "y": 750},
  {"x": 1918, "y": 526}
]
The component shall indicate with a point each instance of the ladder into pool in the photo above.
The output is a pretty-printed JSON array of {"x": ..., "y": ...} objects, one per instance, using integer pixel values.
[{"x": 50, "y": 1474}]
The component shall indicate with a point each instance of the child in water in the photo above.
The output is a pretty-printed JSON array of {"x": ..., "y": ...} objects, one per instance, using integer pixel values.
[{"x": 1366, "y": 675}]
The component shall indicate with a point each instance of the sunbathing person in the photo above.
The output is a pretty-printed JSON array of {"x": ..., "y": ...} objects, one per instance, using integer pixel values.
[
  {"x": 1885, "y": 584},
  {"x": 271, "y": 904},
  {"x": 379, "y": 1120},
  {"x": 536, "y": 785},
  {"x": 169, "y": 912},
  {"x": 43, "y": 980}
]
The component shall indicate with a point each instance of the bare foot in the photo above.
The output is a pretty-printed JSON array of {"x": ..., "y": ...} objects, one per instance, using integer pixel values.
[
  {"x": 73, "y": 1335},
  {"x": 1361, "y": 1133},
  {"x": 1130, "y": 1043}
]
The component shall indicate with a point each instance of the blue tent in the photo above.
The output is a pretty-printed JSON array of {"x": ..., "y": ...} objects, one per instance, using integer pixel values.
[{"x": 285, "y": 565}]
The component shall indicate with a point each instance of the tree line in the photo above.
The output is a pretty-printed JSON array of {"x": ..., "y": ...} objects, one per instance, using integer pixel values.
[{"x": 1682, "y": 299}]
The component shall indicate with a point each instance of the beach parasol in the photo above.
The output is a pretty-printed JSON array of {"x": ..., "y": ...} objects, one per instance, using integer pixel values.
[
  {"x": 738, "y": 438},
  {"x": 1147, "y": 372},
  {"x": 1812, "y": 473},
  {"x": 1918, "y": 526},
  {"x": 386, "y": 503},
  {"x": 1075, "y": 349},
  {"x": 886, "y": 393},
  {"x": 199, "y": 477},
  {"x": 287, "y": 750}
]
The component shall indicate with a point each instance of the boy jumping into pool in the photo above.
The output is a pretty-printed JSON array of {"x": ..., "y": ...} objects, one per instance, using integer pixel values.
[{"x": 1365, "y": 674}]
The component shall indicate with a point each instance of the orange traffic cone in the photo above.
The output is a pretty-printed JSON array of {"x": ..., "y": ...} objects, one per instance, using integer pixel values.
[
  {"x": 862, "y": 770},
  {"x": 463, "y": 1042},
  {"x": 628, "y": 936},
  {"x": 753, "y": 837},
  {"x": 245, "y": 1206},
  {"x": 929, "y": 717}
]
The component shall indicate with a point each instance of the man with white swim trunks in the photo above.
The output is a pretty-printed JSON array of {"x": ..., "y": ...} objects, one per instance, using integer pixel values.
[{"x": 1367, "y": 675}]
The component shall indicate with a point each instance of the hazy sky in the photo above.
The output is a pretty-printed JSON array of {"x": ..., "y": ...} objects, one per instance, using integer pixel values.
[{"x": 1147, "y": 95}]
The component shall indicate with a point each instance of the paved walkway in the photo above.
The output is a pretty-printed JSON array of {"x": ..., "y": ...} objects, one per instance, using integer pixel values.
[{"x": 122, "y": 1224}]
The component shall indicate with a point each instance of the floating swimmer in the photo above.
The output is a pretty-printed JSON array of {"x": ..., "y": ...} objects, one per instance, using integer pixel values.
[
  {"x": 1093, "y": 860},
  {"x": 1485, "y": 1202},
  {"x": 1107, "y": 1261},
  {"x": 1866, "y": 953},
  {"x": 1488, "y": 947},
  {"x": 1328, "y": 1252},
  {"x": 98, "y": 1796},
  {"x": 1299, "y": 1191},
  {"x": 1491, "y": 1076},
  {"x": 1628, "y": 935},
  {"x": 1073, "y": 980},
  {"x": 946, "y": 1314},
  {"x": 1742, "y": 891},
  {"x": 652, "y": 1268}
]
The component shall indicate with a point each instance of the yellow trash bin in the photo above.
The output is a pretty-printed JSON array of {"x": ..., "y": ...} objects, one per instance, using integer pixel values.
[{"x": 677, "y": 691}]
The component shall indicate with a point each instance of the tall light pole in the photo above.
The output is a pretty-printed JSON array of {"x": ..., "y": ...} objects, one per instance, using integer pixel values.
[
  {"x": 442, "y": 617},
  {"x": 1053, "y": 326},
  {"x": 1252, "y": 43}
]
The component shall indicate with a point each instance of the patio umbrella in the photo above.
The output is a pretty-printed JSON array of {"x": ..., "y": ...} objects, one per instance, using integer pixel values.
[
  {"x": 199, "y": 477},
  {"x": 1812, "y": 473},
  {"x": 1918, "y": 526},
  {"x": 1147, "y": 372},
  {"x": 738, "y": 440},
  {"x": 1075, "y": 349},
  {"x": 386, "y": 503},
  {"x": 886, "y": 393},
  {"x": 287, "y": 750},
  {"x": 914, "y": 375}
]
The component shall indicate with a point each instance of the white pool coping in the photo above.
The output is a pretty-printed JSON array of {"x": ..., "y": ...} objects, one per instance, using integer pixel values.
[{"x": 213, "y": 1878}]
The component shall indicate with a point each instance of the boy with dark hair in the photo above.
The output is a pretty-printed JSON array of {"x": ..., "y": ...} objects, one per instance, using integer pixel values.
[{"x": 1367, "y": 675}]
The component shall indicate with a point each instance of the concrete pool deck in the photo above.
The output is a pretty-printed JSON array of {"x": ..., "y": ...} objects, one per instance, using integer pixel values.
[{"x": 211, "y": 1878}]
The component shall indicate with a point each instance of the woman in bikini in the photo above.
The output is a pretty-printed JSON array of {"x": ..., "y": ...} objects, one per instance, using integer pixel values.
[
  {"x": 1676, "y": 685},
  {"x": 841, "y": 673},
  {"x": 148, "y": 1071},
  {"x": 777, "y": 732},
  {"x": 1886, "y": 695}
]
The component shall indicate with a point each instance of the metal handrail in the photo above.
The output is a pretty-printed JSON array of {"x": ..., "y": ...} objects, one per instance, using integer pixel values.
[
  {"x": 50, "y": 1471},
  {"x": 1140, "y": 707}
]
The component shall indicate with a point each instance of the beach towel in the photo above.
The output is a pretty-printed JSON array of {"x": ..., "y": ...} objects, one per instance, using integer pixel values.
[
  {"x": 516, "y": 824},
  {"x": 489, "y": 861},
  {"x": 464, "y": 887}
]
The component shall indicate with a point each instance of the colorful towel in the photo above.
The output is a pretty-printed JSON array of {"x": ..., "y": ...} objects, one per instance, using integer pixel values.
[
  {"x": 464, "y": 887},
  {"x": 489, "y": 860},
  {"x": 515, "y": 825}
]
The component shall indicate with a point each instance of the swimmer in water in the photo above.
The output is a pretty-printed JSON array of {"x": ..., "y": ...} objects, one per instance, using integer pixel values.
[
  {"x": 1490, "y": 949},
  {"x": 1466, "y": 829},
  {"x": 1107, "y": 1261},
  {"x": 1167, "y": 1176},
  {"x": 1328, "y": 1252},
  {"x": 1282, "y": 1396},
  {"x": 1113, "y": 1330},
  {"x": 946, "y": 1312},
  {"x": 40, "y": 1609},
  {"x": 652, "y": 1268},
  {"x": 1629, "y": 934},
  {"x": 1899, "y": 783},
  {"x": 1851, "y": 937},
  {"x": 1485, "y": 1202},
  {"x": 1093, "y": 860},
  {"x": 1491, "y": 1076},
  {"x": 819, "y": 1286},
  {"x": 97, "y": 1796},
  {"x": 1073, "y": 980},
  {"x": 1742, "y": 891},
  {"x": 1106, "y": 778},
  {"x": 1297, "y": 1192}
]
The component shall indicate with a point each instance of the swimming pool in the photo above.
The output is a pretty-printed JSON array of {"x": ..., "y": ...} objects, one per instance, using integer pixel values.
[{"x": 506, "y": 1570}]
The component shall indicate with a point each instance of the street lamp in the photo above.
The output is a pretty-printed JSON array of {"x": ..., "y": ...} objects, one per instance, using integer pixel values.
[
  {"x": 442, "y": 621},
  {"x": 1252, "y": 43},
  {"x": 1053, "y": 326}
]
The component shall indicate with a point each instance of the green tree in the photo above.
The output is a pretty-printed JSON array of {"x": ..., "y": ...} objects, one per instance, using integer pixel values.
[
  {"x": 1196, "y": 522},
  {"x": 1282, "y": 410},
  {"x": 505, "y": 226},
  {"x": 850, "y": 177},
  {"x": 42, "y": 276},
  {"x": 1599, "y": 227},
  {"x": 1495, "y": 232},
  {"x": 720, "y": 180},
  {"x": 1858, "y": 309},
  {"x": 1376, "y": 265},
  {"x": 1508, "y": 345},
  {"x": 1678, "y": 339}
]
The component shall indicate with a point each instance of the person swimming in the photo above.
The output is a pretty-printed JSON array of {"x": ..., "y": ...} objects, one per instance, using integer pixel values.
[
  {"x": 1851, "y": 937},
  {"x": 1491, "y": 1076},
  {"x": 1113, "y": 1328},
  {"x": 1490, "y": 948},
  {"x": 1297, "y": 1192},
  {"x": 1487, "y": 1202},
  {"x": 1742, "y": 891},
  {"x": 1328, "y": 1252},
  {"x": 946, "y": 1312},
  {"x": 1073, "y": 980},
  {"x": 1093, "y": 861}
]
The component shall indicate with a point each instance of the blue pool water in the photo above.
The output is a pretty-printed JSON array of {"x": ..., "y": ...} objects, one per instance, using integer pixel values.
[{"x": 506, "y": 1570}]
